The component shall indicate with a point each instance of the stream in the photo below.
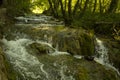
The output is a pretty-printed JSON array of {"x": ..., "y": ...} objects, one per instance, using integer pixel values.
[{"x": 32, "y": 68}]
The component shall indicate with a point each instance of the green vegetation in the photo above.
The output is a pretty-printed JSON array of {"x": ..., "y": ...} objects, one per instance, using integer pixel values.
[
  {"x": 103, "y": 16},
  {"x": 17, "y": 7}
]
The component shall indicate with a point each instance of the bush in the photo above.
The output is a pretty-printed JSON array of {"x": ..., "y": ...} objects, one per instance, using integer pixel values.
[
  {"x": 101, "y": 23},
  {"x": 18, "y": 7}
]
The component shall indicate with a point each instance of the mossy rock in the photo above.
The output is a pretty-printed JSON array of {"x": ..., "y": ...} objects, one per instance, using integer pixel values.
[
  {"x": 78, "y": 69},
  {"x": 39, "y": 49},
  {"x": 3, "y": 72},
  {"x": 76, "y": 42},
  {"x": 113, "y": 52}
]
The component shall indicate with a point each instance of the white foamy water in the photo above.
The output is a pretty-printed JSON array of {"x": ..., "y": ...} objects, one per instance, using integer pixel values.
[
  {"x": 40, "y": 20},
  {"x": 78, "y": 56},
  {"x": 102, "y": 53},
  {"x": 28, "y": 65},
  {"x": 103, "y": 57}
]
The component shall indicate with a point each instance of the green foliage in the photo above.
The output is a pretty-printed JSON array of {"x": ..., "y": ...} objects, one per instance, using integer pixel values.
[
  {"x": 18, "y": 7},
  {"x": 87, "y": 50},
  {"x": 41, "y": 4},
  {"x": 101, "y": 23}
]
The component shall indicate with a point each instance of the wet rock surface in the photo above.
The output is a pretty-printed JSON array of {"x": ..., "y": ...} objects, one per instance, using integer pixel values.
[
  {"x": 114, "y": 52},
  {"x": 79, "y": 69},
  {"x": 3, "y": 73},
  {"x": 39, "y": 49},
  {"x": 76, "y": 42}
]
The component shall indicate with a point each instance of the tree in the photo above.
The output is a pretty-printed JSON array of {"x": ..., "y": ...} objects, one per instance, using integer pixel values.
[
  {"x": 113, "y": 6},
  {"x": 95, "y": 4}
]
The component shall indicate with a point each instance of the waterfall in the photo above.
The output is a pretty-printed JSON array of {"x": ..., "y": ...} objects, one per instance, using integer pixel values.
[
  {"x": 32, "y": 68},
  {"x": 41, "y": 20},
  {"x": 103, "y": 57},
  {"x": 102, "y": 51},
  {"x": 23, "y": 62},
  {"x": 28, "y": 65}
]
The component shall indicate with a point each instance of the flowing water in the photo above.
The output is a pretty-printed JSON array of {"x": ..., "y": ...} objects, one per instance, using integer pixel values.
[
  {"x": 30, "y": 67},
  {"x": 103, "y": 57},
  {"x": 41, "y": 20},
  {"x": 27, "y": 65}
]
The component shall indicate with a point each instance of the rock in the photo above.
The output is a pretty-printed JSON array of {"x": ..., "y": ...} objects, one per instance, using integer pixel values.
[
  {"x": 89, "y": 58},
  {"x": 38, "y": 48},
  {"x": 114, "y": 52},
  {"x": 2, "y": 15},
  {"x": 76, "y": 42},
  {"x": 3, "y": 73},
  {"x": 78, "y": 69}
]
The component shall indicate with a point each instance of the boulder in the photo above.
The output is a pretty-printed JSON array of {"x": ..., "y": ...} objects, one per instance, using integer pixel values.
[
  {"x": 76, "y": 42},
  {"x": 39, "y": 48}
]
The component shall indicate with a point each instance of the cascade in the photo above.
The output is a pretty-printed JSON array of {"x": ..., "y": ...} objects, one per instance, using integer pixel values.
[
  {"x": 21, "y": 60},
  {"x": 41, "y": 20},
  {"x": 28, "y": 65},
  {"x": 102, "y": 55}
]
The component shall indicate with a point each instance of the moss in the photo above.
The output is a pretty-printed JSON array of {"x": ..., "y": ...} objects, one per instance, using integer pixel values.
[
  {"x": 10, "y": 71},
  {"x": 59, "y": 28},
  {"x": 82, "y": 74},
  {"x": 87, "y": 45},
  {"x": 109, "y": 75}
]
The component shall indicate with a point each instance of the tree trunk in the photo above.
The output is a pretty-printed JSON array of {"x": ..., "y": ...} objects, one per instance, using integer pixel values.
[
  {"x": 69, "y": 8},
  {"x": 101, "y": 8},
  {"x": 95, "y": 4},
  {"x": 84, "y": 9},
  {"x": 51, "y": 7},
  {"x": 113, "y": 6},
  {"x": 76, "y": 7}
]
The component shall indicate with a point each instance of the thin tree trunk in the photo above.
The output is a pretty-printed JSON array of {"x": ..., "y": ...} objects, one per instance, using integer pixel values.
[
  {"x": 85, "y": 7},
  {"x": 113, "y": 6},
  {"x": 62, "y": 9},
  {"x": 76, "y": 7},
  {"x": 101, "y": 8},
  {"x": 95, "y": 5},
  {"x": 56, "y": 6},
  {"x": 80, "y": 4},
  {"x": 65, "y": 4},
  {"x": 51, "y": 7},
  {"x": 69, "y": 8}
]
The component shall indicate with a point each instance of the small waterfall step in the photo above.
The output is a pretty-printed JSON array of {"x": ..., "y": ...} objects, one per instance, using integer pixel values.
[
  {"x": 41, "y": 20},
  {"x": 103, "y": 57}
]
